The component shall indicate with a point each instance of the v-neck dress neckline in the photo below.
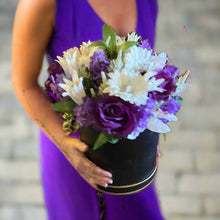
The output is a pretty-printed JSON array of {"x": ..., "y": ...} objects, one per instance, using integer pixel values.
[{"x": 102, "y": 22}]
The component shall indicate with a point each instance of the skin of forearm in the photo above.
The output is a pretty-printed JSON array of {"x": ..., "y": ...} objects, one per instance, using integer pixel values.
[{"x": 38, "y": 106}]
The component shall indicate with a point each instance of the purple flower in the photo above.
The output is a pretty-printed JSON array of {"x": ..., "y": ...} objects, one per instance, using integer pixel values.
[
  {"x": 174, "y": 71},
  {"x": 83, "y": 113},
  {"x": 145, "y": 45},
  {"x": 114, "y": 116},
  {"x": 168, "y": 86},
  {"x": 55, "y": 77},
  {"x": 145, "y": 113},
  {"x": 171, "y": 106},
  {"x": 99, "y": 63},
  {"x": 55, "y": 68}
]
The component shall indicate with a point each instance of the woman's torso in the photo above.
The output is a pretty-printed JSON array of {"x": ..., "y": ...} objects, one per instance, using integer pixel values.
[{"x": 78, "y": 21}]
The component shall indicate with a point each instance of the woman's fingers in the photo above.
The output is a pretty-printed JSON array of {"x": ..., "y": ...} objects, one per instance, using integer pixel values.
[
  {"x": 93, "y": 174},
  {"x": 81, "y": 146}
]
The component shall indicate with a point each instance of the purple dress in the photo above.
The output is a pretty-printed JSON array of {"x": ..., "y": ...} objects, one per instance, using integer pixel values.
[{"x": 67, "y": 195}]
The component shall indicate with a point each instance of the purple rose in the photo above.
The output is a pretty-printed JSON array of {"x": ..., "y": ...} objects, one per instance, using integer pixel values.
[
  {"x": 55, "y": 77},
  {"x": 168, "y": 86},
  {"x": 115, "y": 116}
]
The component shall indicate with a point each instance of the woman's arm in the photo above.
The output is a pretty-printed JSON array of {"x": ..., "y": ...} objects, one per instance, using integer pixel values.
[{"x": 33, "y": 26}]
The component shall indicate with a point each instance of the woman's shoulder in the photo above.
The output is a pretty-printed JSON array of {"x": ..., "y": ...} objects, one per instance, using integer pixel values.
[
  {"x": 36, "y": 13},
  {"x": 39, "y": 3},
  {"x": 44, "y": 8}
]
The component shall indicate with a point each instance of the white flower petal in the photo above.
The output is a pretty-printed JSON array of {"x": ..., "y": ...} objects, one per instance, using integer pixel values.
[
  {"x": 137, "y": 59},
  {"x": 69, "y": 61},
  {"x": 74, "y": 88},
  {"x": 181, "y": 82},
  {"x": 128, "y": 85},
  {"x": 157, "y": 125},
  {"x": 133, "y": 36}
]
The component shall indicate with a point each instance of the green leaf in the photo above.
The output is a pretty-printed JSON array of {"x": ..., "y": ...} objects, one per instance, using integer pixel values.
[
  {"x": 113, "y": 140},
  {"x": 109, "y": 31},
  {"x": 64, "y": 107},
  {"x": 67, "y": 122},
  {"x": 75, "y": 127},
  {"x": 104, "y": 138},
  {"x": 99, "y": 43},
  {"x": 180, "y": 100},
  {"x": 101, "y": 140},
  {"x": 88, "y": 84},
  {"x": 65, "y": 77},
  {"x": 164, "y": 136},
  {"x": 128, "y": 44}
]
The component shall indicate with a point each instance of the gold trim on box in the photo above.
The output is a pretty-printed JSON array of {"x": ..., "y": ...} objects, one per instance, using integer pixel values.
[
  {"x": 127, "y": 186},
  {"x": 128, "y": 193}
]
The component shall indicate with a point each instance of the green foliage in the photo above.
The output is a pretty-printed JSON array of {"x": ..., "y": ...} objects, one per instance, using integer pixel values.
[
  {"x": 75, "y": 127},
  {"x": 108, "y": 31},
  {"x": 88, "y": 84},
  {"x": 67, "y": 122},
  {"x": 128, "y": 44},
  {"x": 109, "y": 42},
  {"x": 180, "y": 100},
  {"x": 104, "y": 138},
  {"x": 164, "y": 136},
  {"x": 99, "y": 43},
  {"x": 64, "y": 107}
]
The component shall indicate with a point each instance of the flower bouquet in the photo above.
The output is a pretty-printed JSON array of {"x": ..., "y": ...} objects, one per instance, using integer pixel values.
[{"x": 117, "y": 94}]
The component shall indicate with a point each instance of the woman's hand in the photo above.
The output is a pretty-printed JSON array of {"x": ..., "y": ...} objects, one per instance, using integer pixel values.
[{"x": 74, "y": 151}]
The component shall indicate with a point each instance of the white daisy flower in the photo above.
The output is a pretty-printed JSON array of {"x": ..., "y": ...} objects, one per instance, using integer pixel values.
[
  {"x": 128, "y": 85},
  {"x": 74, "y": 88},
  {"x": 141, "y": 60},
  {"x": 157, "y": 61},
  {"x": 133, "y": 36},
  {"x": 137, "y": 59}
]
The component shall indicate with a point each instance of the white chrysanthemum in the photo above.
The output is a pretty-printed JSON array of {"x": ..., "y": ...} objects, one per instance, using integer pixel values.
[
  {"x": 69, "y": 61},
  {"x": 117, "y": 64},
  {"x": 181, "y": 82},
  {"x": 157, "y": 61},
  {"x": 142, "y": 60},
  {"x": 78, "y": 60},
  {"x": 157, "y": 125},
  {"x": 119, "y": 40},
  {"x": 86, "y": 53},
  {"x": 74, "y": 88},
  {"x": 137, "y": 59},
  {"x": 128, "y": 85},
  {"x": 133, "y": 36}
]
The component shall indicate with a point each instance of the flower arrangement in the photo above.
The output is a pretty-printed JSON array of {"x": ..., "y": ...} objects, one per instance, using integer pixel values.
[{"x": 119, "y": 86}]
